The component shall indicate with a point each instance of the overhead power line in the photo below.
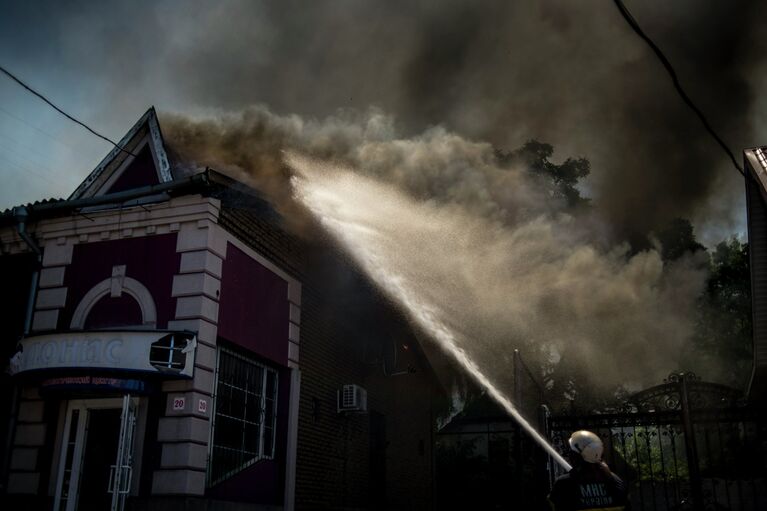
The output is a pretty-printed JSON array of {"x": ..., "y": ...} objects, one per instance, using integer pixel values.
[
  {"x": 62, "y": 112},
  {"x": 32, "y": 126},
  {"x": 675, "y": 79}
]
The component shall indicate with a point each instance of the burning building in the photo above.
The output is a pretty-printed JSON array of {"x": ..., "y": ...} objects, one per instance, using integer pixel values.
[{"x": 171, "y": 345}]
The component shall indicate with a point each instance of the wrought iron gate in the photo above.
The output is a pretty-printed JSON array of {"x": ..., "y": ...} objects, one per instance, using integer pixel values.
[{"x": 685, "y": 444}]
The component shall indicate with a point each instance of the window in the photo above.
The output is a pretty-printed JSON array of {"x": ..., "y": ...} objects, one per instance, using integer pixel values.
[
  {"x": 244, "y": 418},
  {"x": 168, "y": 353}
]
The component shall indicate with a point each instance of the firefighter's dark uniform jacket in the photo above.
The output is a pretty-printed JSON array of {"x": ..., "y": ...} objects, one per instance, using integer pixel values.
[{"x": 589, "y": 487}]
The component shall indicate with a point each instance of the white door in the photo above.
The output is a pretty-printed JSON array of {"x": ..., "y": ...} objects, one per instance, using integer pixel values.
[
  {"x": 121, "y": 472},
  {"x": 96, "y": 461}
]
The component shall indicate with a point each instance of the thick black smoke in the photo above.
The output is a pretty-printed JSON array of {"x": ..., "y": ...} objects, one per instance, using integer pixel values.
[
  {"x": 574, "y": 74},
  {"x": 568, "y": 73}
]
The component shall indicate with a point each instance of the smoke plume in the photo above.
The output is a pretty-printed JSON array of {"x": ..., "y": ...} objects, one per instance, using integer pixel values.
[
  {"x": 484, "y": 246},
  {"x": 483, "y": 288},
  {"x": 568, "y": 73},
  {"x": 415, "y": 95}
]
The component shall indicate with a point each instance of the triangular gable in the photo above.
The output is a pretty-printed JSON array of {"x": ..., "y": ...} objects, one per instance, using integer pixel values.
[{"x": 147, "y": 163}]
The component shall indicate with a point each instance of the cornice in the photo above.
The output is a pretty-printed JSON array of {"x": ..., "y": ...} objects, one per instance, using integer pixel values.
[{"x": 115, "y": 223}]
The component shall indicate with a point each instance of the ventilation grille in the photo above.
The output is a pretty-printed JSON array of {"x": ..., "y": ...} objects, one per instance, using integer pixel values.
[{"x": 352, "y": 398}]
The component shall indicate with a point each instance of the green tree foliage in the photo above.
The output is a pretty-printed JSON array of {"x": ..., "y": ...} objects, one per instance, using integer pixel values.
[
  {"x": 723, "y": 338},
  {"x": 560, "y": 180},
  {"x": 678, "y": 239},
  {"x": 650, "y": 451},
  {"x": 721, "y": 348}
]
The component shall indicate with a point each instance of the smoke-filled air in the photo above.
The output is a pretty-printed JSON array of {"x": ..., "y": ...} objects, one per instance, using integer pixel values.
[
  {"x": 480, "y": 248},
  {"x": 568, "y": 73},
  {"x": 517, "y": 183},
  {"x": 534, "y": 285},
  {"x": 402, "y": 105}
]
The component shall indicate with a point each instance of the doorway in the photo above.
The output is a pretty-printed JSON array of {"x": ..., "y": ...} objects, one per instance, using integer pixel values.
[
  {"x": 378, "y": 444},
  {"x": 99, "y": 454},
  {"x": 96, "y": 458}
]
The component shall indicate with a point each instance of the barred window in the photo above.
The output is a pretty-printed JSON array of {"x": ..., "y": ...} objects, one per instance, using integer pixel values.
[
  {"x": 168, "y": 353},
  {"x": 245, "y": 413}
]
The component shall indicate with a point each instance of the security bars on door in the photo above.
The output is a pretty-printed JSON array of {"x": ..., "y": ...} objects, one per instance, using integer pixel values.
[
  {"x": 121, "y": 473},
  {"x": 245, "y": 414},
  {"x": 69, "y": 458}
]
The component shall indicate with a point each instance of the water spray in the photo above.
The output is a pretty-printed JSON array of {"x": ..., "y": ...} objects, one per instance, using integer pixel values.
[{"x": 328, "y": 193}]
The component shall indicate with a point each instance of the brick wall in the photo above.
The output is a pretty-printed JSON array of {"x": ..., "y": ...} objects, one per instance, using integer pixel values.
[{"x": 336, "y": 454}]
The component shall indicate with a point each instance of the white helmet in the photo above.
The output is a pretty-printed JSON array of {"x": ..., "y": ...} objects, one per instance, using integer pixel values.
[{"x": 588, "y": 445}]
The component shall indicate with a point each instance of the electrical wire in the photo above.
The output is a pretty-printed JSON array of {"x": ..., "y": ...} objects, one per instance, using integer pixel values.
[
  {"x": 32, "y": 126},
  {"x": 15, "y": 146},
  {"x": 25, "y": 171},
  {"x": 675, "y": 79},
  {"x": 62, "y": 112}
]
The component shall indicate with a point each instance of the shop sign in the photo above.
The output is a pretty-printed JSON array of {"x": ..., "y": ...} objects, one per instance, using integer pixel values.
[
  {"x": 150, "y": 351},
  {"x": 95, "y": 384}
]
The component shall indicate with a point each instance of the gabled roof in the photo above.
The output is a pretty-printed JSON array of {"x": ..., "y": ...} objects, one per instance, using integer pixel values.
[
  {"x": 120, "y": 181},
  {"x": 141, "y": 171},
  {"x": 140, "y": 160}
]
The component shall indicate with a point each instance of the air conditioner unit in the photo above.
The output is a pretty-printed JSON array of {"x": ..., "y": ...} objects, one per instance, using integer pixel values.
[{"x": 352, "y": 398}]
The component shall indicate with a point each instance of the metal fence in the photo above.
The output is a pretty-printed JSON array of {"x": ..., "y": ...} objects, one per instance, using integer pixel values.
[
  {"x": 489, "y": 464},
  {"x": 685, "y": 444},
  {"x": 484, "y": 460}
]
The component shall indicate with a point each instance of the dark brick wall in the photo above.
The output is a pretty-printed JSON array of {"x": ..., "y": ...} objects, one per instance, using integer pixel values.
[
  {"x": 346, "y": 330},
  {"x": 16, "y": 276},
  {"x": 757, "y": 239}
]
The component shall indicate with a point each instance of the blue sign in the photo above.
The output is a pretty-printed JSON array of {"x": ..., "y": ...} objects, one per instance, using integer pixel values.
[{"x": 95, "y": 384}]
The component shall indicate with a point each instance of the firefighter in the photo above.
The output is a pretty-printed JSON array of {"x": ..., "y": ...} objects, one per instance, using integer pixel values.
[{"x": 590, "y": 485}]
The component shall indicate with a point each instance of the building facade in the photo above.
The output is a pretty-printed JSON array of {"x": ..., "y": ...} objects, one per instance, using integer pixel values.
[
  {"x": 171, "y": 345},
  {"x": 755, "y": 166}
]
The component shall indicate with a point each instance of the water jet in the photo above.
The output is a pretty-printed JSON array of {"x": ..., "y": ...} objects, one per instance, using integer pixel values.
[{"x": 353, "y": 209}]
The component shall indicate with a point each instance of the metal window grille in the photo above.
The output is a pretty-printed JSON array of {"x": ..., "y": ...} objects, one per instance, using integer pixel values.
[
  {"x": 168, "y": 353},
  {"x": 244, "y": 417}
]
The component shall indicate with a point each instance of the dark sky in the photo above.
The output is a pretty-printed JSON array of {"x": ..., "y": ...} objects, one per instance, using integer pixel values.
[{"x": 568, "y": 73}]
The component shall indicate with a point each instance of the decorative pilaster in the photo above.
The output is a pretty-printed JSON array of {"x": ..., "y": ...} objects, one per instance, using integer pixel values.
[{"x": 184, "y": 430}]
